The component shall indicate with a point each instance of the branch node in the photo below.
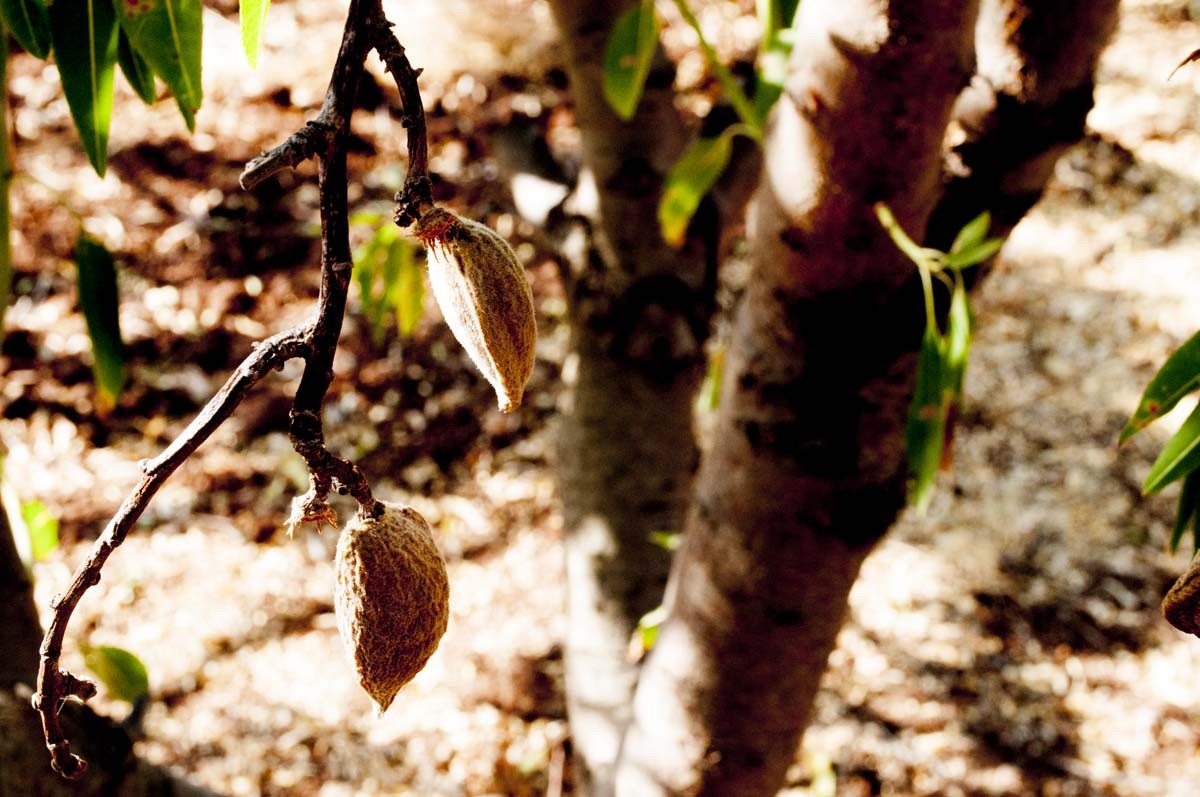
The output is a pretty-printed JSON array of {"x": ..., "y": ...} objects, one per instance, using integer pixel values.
[{"x": 74, "y": 686}]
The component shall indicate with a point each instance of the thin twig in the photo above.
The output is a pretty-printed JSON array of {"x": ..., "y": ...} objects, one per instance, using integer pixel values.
[
  {"x": 336, "y": 265},
  {"x": 55, "y": 685},
  {"x": 416, "y": 195},
  {"x": 316, "y": 341},
  {"x": 299, "y": 147}
]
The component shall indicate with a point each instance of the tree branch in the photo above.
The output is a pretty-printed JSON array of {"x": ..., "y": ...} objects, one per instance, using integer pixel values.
[
  {"x": 416, "y": 195},
  {"x": 316, "y": 341},
  {"x": 54, "y": 684}
]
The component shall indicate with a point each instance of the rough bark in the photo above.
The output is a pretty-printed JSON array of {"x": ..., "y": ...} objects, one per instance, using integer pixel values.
[
  {"x": 1026, "y": 105},
  {"x": 20, "y": 633},
  {"x": 639, "y": 312},
  {"x": 806, "y": 469}
]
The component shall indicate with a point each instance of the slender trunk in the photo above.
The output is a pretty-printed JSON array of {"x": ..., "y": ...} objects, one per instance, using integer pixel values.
[
  {"x": 1026, "y": 105},
  {"x": 806, "y": 470},
  {"x": 639, "y": 312}
]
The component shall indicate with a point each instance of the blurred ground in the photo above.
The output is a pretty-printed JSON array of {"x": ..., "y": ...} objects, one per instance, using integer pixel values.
[{"x": 1007, "y": 643}]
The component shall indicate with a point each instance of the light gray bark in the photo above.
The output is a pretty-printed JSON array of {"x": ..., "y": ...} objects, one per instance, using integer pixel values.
[
  {"x": 639, "y": 312},
  {"x": 806, "y": 470}
]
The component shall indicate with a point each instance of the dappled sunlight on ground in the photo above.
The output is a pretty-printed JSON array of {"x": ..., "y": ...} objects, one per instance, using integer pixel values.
[{"x": 1009, "y": 642}]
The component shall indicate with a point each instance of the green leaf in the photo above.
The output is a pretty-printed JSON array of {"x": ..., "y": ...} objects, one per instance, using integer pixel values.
[
  {"x": 390, "y": 282},
  {"x": 119, "y": 670},
  {"x": 667, "y": 540},
  {"x": 136, "y": 70},
  {"x": 29, "y": 24},
  {"x": 729, "y": 85},
  {"x": 407, "y": 291},
  {"x": 1179, "y": 456},
  {"x": 99, "y": 302},
  {"x": 922, "y": 256},
  {"x": 627, "y": 57},
  {"x": 972, "y": 233},
  {"x": 1189, "y": 506},
  {"x": 958, "y": 340},
  {"x": 42, "y": 526},
  {"x": 1179, "y": 376},
  {"x": 688, "y": 181},
  {"x": 925, "y": 432},
  {"x": 973, "y": 254},
  {"x": 253, "y": 15},
  {"x": 649, "y": 625},
  {"x": 777, "y": 19},
  {"x": 167, "y": 33},
  {"x": 709, "y": 397},
  {"x": 85, "y": 45},
  {"x": 189, "y": 116}
]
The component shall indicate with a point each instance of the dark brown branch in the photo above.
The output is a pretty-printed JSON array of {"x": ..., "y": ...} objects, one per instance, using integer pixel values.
[
  {"x": 316, "y": 341},
  {"x": 55, "y": 685},
  {"x": 416, "y": 195},
  {"x": 299, "y": 147},
  {"x": 328, "y": 471}
]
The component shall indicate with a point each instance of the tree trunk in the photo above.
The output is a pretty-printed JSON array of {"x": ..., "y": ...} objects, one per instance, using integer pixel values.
[
  {"x": 807, "y": 468},
  {"x": 1025, "y": 106},
  {"x": 639, "y": 314}
]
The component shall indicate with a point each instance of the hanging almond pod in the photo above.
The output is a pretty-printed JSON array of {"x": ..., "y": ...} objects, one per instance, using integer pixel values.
[
  {"x": 481, "y": 289},
  {"x": 391, "y": 598}
]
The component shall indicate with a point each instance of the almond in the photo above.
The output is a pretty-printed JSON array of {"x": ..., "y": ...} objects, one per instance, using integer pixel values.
[
  {"x": 481, "y": 289},
  {"x": 391, "y": 598}
]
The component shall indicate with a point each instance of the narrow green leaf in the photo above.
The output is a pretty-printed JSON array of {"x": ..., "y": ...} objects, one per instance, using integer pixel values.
[
  {"x": 650, "y": 624},
  {"x": 119, "y": 670},
  {"x": 925, "y": 432},
  {"x": 408, "y": 289},
  {"x": 1179, "y": 376},
  {"x": 688, "y": 181},
  {"x": 136, "y": 70},
  {"x": 920, "y": 255},
  {"x": 667, "y": 540},
  {"x": 709, "y": 396},
  {"x": 973, "y": 254},
  {"x": 29, "y": 24},
  {"x": 959, "y": 323},
  {"x": 85, "y": 45},
  {"x": 729, "y": 84},
  {"x": 98, "y": 299},
  {"x": 958, "y": 340},
  {"x": 1189, "y": 505},
  {"x": 972, "y": 233},
  {"x": 377, "y": 270},
  {"x": 1180, "y": 455},
  {"x": 253, "y": 16},
  {"x": 777, "y": 20},
  {"x": 42, "y": 526},
  {"x": 627, "y": 57},
  {"x": 189, "y": 116},
  {"x": 167, "y": 33}
]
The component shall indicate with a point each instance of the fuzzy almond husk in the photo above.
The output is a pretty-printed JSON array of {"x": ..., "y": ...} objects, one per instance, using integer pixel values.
[
  {"x": 391, "y": 598},
  {"x": 481, "y": 289}
]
